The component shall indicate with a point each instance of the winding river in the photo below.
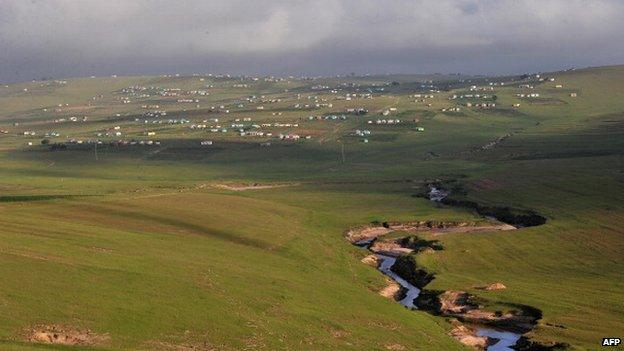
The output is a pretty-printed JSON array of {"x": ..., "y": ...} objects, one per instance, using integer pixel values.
[
  {"x": 412, "y": 291},
  {"x": 505, "y": 340}
]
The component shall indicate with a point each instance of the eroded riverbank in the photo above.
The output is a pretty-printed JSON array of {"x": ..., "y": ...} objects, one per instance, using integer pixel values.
[{"x": 474, "y": 325}]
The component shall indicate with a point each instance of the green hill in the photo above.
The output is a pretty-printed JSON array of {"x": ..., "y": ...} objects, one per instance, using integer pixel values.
[{"x": 143, "y": 247}]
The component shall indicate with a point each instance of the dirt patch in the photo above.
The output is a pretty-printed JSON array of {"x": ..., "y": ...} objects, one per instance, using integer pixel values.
[
  {"x": 389, "y": 248},
  {"x": 371, "y": 260},
  {"x": 428, "y": 250},
  {"x": 392, "y": 290},
  {"x": 81, "y": 108},
  {"x": 467, "y": 336},
  {"x": 338, "y": 333},
  {"x": 404, "y": 246},
  {"x": 373, "y": 231},
  {"x": 395, "y": 347},
  {"x": 440, "y": 227},
  {"x": 100, "y": 249},
  {"x": 493, "y": 287},
  {"x": 465, "y": 307},
  {"x": 54, "y": 334},
  {"x": 252, "y": 186},
  {"x": 358, "y": 234}
]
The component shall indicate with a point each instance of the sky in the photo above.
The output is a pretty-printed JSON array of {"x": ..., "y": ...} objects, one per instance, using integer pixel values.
[{"x": 69, "y": 38}]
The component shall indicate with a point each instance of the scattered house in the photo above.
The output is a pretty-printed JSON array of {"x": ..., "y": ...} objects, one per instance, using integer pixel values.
[
  {"x": 420, "y": 129},
  {"x": 288, "y": 136},
  {"x": 253, "y": 133},
  {"x": 558, "y": 86},
  {"x": 385, "y": 121},
  {"x": 485, "y": 105},
  {"x": 573, "y": 94},
  {"x": 357, "y": 111},
  {"x": 531, "y": 95},
  {"x": 206, "y": 143}
]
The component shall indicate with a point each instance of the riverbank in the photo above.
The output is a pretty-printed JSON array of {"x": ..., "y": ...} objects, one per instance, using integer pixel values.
[{"x": 475, "y": 325}]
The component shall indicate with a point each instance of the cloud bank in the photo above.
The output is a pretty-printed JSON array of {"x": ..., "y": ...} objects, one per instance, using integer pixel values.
[{"x": 60, "y": 38}]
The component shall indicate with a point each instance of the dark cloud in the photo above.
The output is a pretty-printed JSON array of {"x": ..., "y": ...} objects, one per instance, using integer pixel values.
[{"x": 61, "y": 38}]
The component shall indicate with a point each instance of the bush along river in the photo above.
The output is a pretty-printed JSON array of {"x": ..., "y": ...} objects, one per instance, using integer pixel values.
[{"x": 474, "y": 326}]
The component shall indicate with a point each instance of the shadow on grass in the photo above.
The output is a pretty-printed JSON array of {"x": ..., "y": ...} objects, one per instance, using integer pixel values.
[
  {"x": 28, "y": 198},
  {"x": 192, "y": 227}
]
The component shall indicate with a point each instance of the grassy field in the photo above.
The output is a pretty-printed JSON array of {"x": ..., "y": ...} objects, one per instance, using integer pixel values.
[{"x": 138, "y": 246}]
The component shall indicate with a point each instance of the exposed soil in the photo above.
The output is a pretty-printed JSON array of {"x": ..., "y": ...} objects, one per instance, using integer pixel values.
[
  {"x": 371, "y": 260},
  {"x": 464, "y": 307},
  {"x": 54, "y": 334},
  {"x": 493, "y": 287},
  {"x": 389, "y": 248},
  {"x": 361, "y": 234},
  {"x": 392, "y": 290},
  {"x": 442, "y": 227},
  {"x": 252, "y": 186},
  {"x": 467, "y": 336},
  {"x": 373, "y": 231}
]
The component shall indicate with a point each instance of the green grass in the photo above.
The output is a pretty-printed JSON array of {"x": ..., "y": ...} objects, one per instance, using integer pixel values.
[{"x": 137, "y": 245}]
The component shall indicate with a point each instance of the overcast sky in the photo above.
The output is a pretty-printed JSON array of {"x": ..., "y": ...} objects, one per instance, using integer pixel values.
[{"x": 64, "y": 38}]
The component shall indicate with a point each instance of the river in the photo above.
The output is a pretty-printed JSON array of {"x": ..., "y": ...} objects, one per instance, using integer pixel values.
[{"x": 506, "y": 340}]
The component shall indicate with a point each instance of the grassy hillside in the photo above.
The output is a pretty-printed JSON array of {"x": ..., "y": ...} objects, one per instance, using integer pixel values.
[{"x": 137, "y": 245}]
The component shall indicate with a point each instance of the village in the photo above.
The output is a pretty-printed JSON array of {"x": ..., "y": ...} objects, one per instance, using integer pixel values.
[{"x": 152, "y": 114}]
